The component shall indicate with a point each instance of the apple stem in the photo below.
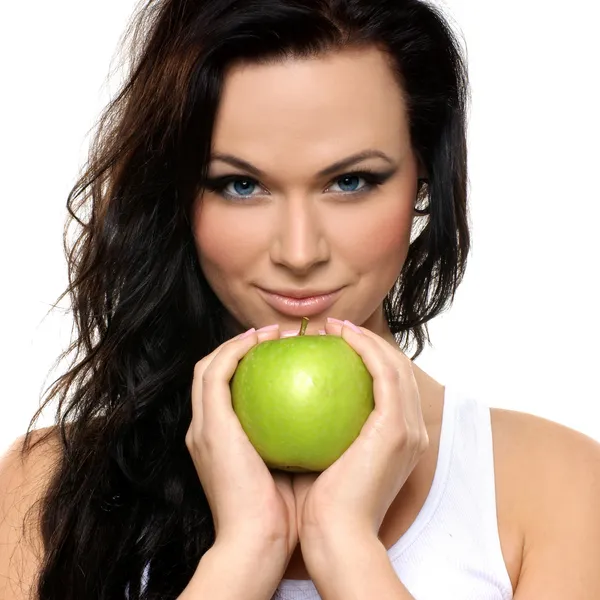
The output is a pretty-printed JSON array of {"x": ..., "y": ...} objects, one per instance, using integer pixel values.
[{"x": 303, "y": 325}]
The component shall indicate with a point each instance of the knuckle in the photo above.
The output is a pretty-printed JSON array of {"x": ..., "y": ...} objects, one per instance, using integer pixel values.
[
  {"x": 390, "y": 372},
  {"x": 208, "y": 442},
  {"x": 424, "y": 441},
  {"x": 403, "y": 359},
  {"x": 415, "y": 439},
  {"x": 208, "y": 378},
  {"x": 199, "y": 368},
  {"x": 408, "y": 438},
  {"x": 198, "y": 443},
  {"x": 400, "y": 439},
  {"x": 189, "y": 439}
]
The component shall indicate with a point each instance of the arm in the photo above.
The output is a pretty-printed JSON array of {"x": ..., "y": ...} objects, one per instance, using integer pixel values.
[
  {"x": 22, "y": 483},
  {"x": 354, "y": 568},
  {"x": 559, "y": 475},
  {"x": 242, "y": 571}
]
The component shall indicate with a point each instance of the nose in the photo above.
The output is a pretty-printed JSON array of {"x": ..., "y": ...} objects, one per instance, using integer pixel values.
[{"x": 299, "y": 243}]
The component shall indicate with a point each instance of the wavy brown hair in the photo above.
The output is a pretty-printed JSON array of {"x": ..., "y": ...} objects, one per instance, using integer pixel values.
[{"x": 125, "y": 494}]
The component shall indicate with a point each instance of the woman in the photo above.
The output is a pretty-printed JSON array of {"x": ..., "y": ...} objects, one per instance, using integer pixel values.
[{"x": 268, "y": 160}]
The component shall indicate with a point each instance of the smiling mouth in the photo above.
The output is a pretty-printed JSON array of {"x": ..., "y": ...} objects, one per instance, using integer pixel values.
[{"x": 300, "y": 307}]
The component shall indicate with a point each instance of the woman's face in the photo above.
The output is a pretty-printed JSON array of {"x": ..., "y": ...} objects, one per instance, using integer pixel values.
[{"x": 278, "y": 215}]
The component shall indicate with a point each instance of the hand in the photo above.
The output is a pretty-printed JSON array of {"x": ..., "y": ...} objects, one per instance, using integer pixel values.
[
  {"x": 248, "y": 503},
  {"x": 355, "y": 492}
]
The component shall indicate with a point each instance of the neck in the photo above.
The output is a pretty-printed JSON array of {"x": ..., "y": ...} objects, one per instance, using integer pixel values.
[{"x": 377, "y": 323}]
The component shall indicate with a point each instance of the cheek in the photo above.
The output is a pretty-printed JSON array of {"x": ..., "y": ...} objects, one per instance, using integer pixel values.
[
  {"x": 377, "y": 241},
  {"x": 226, "y": 243}
]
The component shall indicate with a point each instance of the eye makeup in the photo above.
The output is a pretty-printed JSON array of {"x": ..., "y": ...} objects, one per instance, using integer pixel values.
[{"x": 372, "y": 179}]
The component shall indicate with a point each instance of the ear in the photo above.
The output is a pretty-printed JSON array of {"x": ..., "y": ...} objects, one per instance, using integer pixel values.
[{"x": 422, "y": 199}]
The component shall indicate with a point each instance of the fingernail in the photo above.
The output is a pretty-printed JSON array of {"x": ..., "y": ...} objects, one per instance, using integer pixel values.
[
  {"x": 247, "y": 334},
  {"x": 288, "y": 333},
  {"x": 322, "y": 332},
  {"x": 336, "y": 321},
  {"x": 268, "y": 328},
  {"x": 352, "y": 326}
]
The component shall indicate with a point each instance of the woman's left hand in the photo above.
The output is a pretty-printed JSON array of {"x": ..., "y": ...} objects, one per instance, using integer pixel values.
[{"x": 353, "y": 495}]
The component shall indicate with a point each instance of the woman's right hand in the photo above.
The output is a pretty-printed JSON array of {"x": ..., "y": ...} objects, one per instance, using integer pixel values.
[{"x": 251, "y": 507}]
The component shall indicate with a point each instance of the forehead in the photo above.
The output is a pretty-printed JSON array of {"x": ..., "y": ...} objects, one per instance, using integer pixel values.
[{"x": 342, "y": 101}]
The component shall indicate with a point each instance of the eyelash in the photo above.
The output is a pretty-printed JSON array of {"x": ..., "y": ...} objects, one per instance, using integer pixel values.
[{"x": 373, "y": 179}]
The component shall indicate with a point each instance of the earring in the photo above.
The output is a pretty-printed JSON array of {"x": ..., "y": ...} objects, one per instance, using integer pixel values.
[{"x": 422, "y": 195}]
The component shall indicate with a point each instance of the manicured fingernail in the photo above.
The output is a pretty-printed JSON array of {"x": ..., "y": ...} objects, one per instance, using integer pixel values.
[
  {"x": 268, "y": 328},
  {"x": 322, "y": 332},
  {"x": 247, "y": 334},
  {"x": 336, "y": 321},
  {"x": 288, "y": 333},
  {"x": 352, "y": 326}
]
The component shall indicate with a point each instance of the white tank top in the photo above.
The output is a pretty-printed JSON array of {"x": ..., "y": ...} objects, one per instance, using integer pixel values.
[{"x": 452, "y": 549}]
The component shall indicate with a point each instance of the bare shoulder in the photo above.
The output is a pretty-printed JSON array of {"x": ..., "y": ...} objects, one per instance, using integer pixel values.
[
  {"x": 539, "y": 452},
  {"x": 548, "y": 488},
  {"x": 23, "y": 480}
]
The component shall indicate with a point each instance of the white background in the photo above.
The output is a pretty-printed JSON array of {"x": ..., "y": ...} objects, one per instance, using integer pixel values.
[{"x": 525, "y": 327}]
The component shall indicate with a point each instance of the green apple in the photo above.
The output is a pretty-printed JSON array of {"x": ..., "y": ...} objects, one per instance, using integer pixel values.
[{"x": 302, "y": 400}]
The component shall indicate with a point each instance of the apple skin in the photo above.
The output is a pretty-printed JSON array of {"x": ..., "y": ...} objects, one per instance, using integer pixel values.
[{"x": 302, "y": 400}]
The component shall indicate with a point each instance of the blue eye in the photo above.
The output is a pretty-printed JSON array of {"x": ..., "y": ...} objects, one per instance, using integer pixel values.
[
  {"x": 349, "y": 183},
  {"x": 233, "y": 187},
  {"x": 241, "y": 187}
]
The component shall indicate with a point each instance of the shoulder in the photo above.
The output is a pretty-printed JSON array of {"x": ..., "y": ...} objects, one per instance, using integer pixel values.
[
  {"x": 548, "y": 489},
  {"x": 23, "y": 473},
  {"x": 537, "y": 451},
  {"x": 24, "y": 476}
]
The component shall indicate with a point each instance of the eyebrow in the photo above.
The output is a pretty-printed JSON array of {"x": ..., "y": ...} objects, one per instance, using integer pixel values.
[{"x": 330, "y": 170}]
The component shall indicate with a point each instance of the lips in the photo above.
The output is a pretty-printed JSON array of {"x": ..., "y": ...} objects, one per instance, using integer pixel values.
[{"x": 296, "y": 303}]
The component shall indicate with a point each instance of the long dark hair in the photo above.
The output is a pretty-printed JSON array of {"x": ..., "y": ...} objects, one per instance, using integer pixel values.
[{"x": 125, "y": 493}]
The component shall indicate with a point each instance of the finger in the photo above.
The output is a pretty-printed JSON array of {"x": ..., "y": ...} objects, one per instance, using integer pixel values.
[
  {"x": 216, "y": 393},
  {"x": 334, "y": 327},
  {"x": 380, "y": 366},
  {"x": 246, "y": 340},
  {"x": 270, "y": 332},
  {"x": 386, "y": 345},
  {"x": 405, "y": 396},
  {"x": 203, "y": 363},
  {"x": 289, "y": 333},
  {"x": 408, "y": 383},
  {"x": 196, "y": 395},
  {"x": 215, "y": 396},
  {"x": 374, "y": 357},
  {"x": 265, "y": 333},
  {"x": 395, "y": 400}
]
